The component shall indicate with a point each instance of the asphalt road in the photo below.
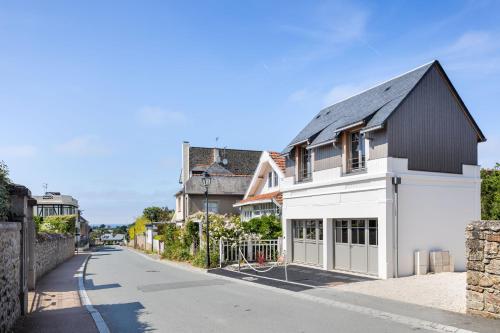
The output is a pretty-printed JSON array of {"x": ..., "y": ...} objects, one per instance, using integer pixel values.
[{"x": 137, "y": 294}]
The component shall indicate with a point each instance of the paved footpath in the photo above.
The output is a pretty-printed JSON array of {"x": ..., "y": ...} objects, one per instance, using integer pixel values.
[{"x": 55, "y": 304}]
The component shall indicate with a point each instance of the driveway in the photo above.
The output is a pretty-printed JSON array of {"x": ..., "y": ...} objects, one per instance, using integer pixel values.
[{"x": 135, "y": 293}]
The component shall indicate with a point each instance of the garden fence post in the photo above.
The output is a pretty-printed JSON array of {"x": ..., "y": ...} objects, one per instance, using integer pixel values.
[
  {"x": 221, "y": 252},
  {"x": 249, "y": 250}
]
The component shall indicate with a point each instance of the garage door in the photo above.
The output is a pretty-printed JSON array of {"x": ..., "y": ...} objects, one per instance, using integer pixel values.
[
  {"x": 307, "y": 241},
  {"x": 356, "y": 245}
]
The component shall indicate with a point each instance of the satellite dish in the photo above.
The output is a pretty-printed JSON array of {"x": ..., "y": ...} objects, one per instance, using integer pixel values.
[{"x": 224, "y": 161}]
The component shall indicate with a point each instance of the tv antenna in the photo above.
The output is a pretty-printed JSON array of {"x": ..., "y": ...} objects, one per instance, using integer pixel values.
[{"x": 45, "y": 186}]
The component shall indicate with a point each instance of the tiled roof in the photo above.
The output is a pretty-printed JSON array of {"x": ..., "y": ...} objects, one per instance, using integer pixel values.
[
  {"x": 278, "y": 159},
  {"x": 220, "y": 185},
  {"x": 239, "y": 161},
  {"x": 277, "y": 196}
]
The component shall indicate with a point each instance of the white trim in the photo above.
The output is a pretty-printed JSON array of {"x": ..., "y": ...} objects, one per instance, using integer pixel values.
[
  {"x": 84, "y": 298},
  {"x": 373, "y": 128},
  {"x": 324, "y": 143},
  {"x": 298, "y": 143},
  {"x": 253, "y": 202},
  {"x": 361, "y": 122},
  {"x": 265, "y": 157}
]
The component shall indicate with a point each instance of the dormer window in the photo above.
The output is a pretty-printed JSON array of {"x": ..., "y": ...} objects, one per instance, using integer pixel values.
[
  {"x": 275, "y": 176},
  {"x": 356, "y": 158},
  {"x": 305, "y": 168},
  {"x": 270, "y": 179}
]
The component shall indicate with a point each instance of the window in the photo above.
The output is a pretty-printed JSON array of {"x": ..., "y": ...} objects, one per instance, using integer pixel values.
[
  {"x": 270, "y": 179},
  {"x": 275, "y": 175},
  {"x": 356, "y": 152},
  {"x": 304, "y": 165},
  {"x": 341, "y": 232},
  {"x": 311, "y": 230},
  {"x": 320, "y": 230},
  {"x": 213, "y": 206},
  {"x": 358, "y": 231},
  {"x": 373, "y": 232},
  {"x": 298, "y": 230}
]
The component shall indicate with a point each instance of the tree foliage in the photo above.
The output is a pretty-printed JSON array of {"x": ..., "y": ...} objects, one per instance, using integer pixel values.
[
  {"x": 265, "y": 227},
  {"x": 157, "y": 214},
  {"x": 490, "y": 193},
  {"x": 138, "y": 227},
  {"x": 58, "y": 224},
  {"x": 4, "y": 191}
]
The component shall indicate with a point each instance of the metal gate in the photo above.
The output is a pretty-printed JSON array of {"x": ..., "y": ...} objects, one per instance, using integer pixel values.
[
  {"x": 307, "y": 241},
  {"x": 356, "y": 245}
]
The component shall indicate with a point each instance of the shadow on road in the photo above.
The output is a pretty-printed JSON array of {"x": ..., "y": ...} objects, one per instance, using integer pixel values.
[
  {"x": 124, "y": 317},
  {"x": 89, "y": 285}
]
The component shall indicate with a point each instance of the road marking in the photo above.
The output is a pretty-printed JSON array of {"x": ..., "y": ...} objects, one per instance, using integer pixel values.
[
  {"x": 412, "y": 322},
  {"x": 84, "y": 298}
]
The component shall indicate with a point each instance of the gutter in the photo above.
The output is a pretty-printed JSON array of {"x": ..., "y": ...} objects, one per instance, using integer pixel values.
[{"x": 396, "y": 181}]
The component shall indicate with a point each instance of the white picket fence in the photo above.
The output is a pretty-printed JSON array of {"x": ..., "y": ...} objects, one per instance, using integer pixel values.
[{"x": 232, "y": 252}]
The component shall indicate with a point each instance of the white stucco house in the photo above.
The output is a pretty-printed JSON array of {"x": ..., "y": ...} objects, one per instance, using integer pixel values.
[
  {"x": 263, "y": 196},
  {"x": 381, "y": 174}
]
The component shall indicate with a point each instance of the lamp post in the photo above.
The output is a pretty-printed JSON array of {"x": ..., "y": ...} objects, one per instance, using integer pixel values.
[{"x": 206, "y": 180}]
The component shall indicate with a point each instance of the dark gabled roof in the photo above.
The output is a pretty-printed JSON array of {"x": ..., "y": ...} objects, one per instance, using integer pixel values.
[
  {"x": 220, "y": 185},
  {"x": 239, "y": 162},
  {"x": 370, "y": 108}
]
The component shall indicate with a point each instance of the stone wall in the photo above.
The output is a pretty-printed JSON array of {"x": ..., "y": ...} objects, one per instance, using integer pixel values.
[
  {"x": 51, "y": 250},
  {"x": 10, "y": 269},
  {"x": 483, "y": 268}
]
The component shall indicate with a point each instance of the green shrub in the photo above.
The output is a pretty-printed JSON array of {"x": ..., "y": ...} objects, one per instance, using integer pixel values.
[
  {"x": 490, "y": 193},
  {"x": 199, "y": 259},
  {"x": 38, "y": 222},
  {"x": 4, "y": 191},
  {"x": 266, "y": 227},
  {"x": 60, "y": 224}
]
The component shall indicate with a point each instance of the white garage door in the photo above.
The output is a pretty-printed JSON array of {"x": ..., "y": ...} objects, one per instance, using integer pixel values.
[{"x": 356, "y": 245}]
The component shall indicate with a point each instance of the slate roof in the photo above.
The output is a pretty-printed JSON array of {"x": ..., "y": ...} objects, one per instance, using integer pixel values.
[
  {"x": 240, "y": 162},
  {"x": 220, "y": 185},
  {"x": 372, "y": 106}
]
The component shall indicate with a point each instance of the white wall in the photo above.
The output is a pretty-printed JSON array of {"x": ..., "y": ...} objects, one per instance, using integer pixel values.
[{"x": 434, "y": 209}]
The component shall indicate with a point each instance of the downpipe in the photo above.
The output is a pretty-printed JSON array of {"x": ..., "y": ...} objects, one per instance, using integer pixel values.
[{"x": 396, "y": 181}]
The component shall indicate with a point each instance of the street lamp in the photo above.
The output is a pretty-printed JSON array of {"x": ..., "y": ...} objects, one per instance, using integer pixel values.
[{"x": 206, "y": 180}]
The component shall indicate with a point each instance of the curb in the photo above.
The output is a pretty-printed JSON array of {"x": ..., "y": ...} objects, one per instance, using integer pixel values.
[{"x": 84, "y": 298}]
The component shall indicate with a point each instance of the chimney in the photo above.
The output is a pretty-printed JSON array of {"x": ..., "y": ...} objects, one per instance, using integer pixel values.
[
  {"x": 185, "y": 161},
  {"x": 217, "y": 155}
]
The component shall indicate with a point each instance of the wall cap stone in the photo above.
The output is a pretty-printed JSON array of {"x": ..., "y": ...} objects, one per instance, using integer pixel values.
[{"x": 4, "y": 226}]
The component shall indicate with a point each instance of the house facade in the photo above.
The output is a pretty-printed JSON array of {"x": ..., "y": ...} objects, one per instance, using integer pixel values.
[
  {"x": 382, "y": 174},
  {"x": 55, "y": 203},
  {"x": 263, "y": 196},
  {"x": 231, "y": 171}
]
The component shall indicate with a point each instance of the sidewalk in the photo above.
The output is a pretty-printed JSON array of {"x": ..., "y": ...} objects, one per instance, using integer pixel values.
[{"x": 55, "y": 304}]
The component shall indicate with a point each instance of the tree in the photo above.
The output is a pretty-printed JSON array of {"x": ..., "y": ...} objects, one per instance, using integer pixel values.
[
  {"x": 157, "y": 214},
  {"x": 138, "y": 227},
  {"x": 4, "y": 191},
  {"x": 490, "y": 193}
]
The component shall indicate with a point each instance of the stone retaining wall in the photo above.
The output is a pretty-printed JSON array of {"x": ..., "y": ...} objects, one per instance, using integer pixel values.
[
  {"x": 483, "y": 268},
  {"x": 51, "y": 250},
  {"x": 10, "y": 268}
]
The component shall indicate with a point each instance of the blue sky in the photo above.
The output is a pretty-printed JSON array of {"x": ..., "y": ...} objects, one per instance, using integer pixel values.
[{"x": 96, "y": 97}]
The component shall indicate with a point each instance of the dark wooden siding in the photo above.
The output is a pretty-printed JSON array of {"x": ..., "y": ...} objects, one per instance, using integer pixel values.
[
  {"x": 431, "y": 129},
  {"x": 327, "y": 157},
  {"x": 378, "y": 144},
  {"x": 290, "y": 166},
  {"x": 225, "y": 203}
]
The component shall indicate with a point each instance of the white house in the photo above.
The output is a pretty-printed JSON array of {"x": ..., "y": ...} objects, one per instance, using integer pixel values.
[
  {"x": 384, "y": 173},
  {"x": 263, "y": 196}
]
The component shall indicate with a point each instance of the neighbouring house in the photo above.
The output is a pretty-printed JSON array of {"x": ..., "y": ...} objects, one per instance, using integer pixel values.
[
  {"x": 55, "y": 203},
  {"x": 263, "y": 196},
  {"x": 379, "y": 175},
  {"x": 113, "y": 239},
  {"x": 231, "y": 171}
]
